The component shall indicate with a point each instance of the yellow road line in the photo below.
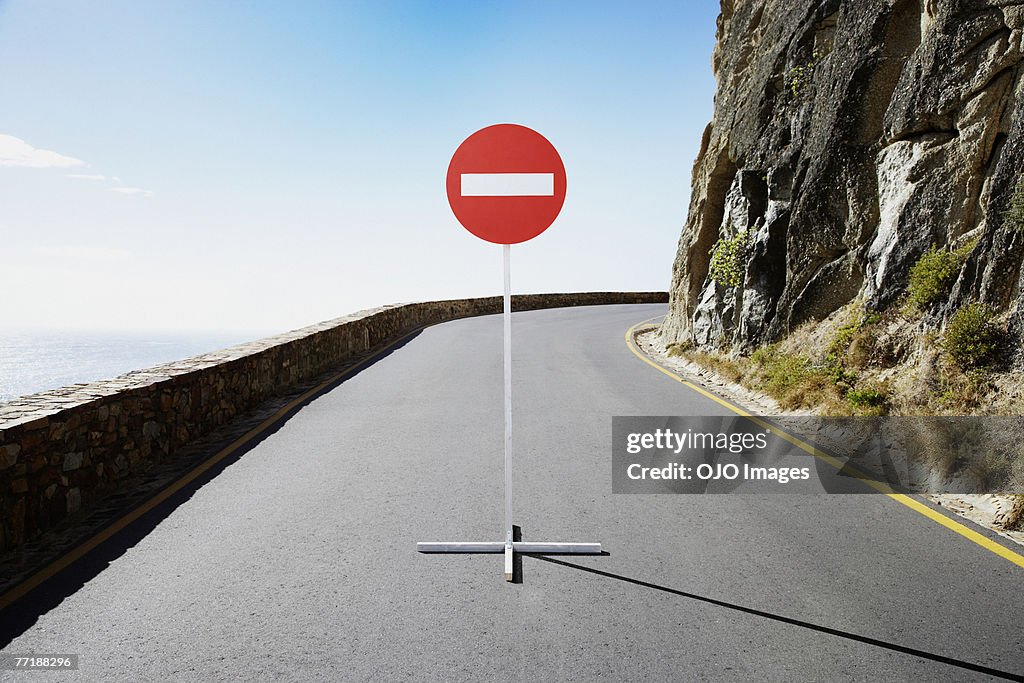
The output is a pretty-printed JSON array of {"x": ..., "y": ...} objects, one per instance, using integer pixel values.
[
  {"x": 971, "y": 535},
  {"x": 81, "y": 550}
]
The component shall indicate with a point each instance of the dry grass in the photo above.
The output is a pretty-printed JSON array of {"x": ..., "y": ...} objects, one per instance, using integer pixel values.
[
  {"x": 856, "y": 363},
  {"x": 792, "y": 380},
  {"x": 1014, "y": 520},
  {"x": 728, "y": 368}
]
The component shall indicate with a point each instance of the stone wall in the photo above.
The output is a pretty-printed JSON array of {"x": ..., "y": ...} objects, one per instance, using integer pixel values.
[{"x": 63, "y": 450}]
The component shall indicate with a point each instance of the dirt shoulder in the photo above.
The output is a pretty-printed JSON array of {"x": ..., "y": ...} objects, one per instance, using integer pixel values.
[{"x": 989, "y": 511}]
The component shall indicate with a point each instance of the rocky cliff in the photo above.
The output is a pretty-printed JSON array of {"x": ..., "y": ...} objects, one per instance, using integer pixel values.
[{"x": 849, "y": 137}]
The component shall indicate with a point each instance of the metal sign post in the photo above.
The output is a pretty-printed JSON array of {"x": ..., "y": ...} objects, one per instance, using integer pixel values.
[
  {"x": 506, "y": 184},
  {"x": 507, "y": 324}
]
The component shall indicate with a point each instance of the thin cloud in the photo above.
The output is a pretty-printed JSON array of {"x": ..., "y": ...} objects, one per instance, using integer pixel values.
[
  {"x": 16, "y": 152},
  {"x": 133, "y": 190}
]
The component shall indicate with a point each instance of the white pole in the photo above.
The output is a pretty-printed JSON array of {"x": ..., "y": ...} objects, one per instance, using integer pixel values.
[
  {"x": 508, "y": 396},
  {"x": 509, "y": 546}
]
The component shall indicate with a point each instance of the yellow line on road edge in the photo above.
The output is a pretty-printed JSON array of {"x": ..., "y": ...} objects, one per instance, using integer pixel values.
[
  {"x": 916, "y": 506},
  {"x": 81, "y": 550}
]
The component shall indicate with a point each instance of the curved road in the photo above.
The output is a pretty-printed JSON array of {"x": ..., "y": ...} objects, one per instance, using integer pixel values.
[{"x": 298, "y": 561}]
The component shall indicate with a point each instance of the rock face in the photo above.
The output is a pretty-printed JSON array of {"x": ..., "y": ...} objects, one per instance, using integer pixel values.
[{"x": 849, "y": 137}]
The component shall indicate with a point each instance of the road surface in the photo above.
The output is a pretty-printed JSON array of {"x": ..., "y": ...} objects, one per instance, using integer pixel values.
[{"x": 298, "y": 561}]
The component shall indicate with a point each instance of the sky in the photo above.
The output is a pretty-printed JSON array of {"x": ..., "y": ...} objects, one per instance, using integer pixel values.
[{"x": 200, "y": 165}]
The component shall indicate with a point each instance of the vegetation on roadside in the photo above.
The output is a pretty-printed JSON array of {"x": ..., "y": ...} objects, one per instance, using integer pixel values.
[
  {"x": 731, "y": 370},
  {"x": 860, "y": 362},
  {"x": 932, "y": 276},
  {"x": 792, "y": 379},
  {"x": 960, "y": 379},
  {"x": 972, "y": 337},
  {"x": 797, "y": 381},
  {"x": 866, "y": 400},
  {"x": 1015, "y": 517}
]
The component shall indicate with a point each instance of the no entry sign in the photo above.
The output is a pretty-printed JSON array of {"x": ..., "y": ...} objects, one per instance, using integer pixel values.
[{"x": 506, "y": 183}]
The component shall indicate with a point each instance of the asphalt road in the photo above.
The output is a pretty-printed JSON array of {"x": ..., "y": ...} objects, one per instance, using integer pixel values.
[{"x": 298, "y": 561}]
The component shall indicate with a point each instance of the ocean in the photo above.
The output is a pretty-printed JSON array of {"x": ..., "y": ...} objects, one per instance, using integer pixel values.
[{"x": 35, "y": 361}]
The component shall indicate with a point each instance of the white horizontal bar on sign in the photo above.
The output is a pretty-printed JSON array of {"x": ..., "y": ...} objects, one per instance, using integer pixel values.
[{"x": 508, "y": 184}]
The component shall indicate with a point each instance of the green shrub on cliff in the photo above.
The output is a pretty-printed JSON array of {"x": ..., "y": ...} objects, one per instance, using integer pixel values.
[
  {"x": 799, "y": 77},
  {"x": 780, "y": 372},
  {"x": 1014, "y": 216},
  {"x": 841, "y": 363},
  {"x": 853, "y": 340},
  {"x": 729, "y": 258},
  {"x": 869, "y": 401},
  {"x": 934, "y": 273},
  {"x": 972, "y": 337},
  {"x": 792, "y": 380}
]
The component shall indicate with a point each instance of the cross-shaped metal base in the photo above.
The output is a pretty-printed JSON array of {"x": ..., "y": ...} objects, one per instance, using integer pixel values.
[
  {"x": 510, "y": 546},
  {"x": 510, "y": 549}
]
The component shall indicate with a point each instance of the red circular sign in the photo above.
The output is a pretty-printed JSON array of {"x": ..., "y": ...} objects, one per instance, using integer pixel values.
[{"x": 506, "y": 183}]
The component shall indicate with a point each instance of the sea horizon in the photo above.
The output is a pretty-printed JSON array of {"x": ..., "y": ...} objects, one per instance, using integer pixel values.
[{"x": 36, "y": 360}]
